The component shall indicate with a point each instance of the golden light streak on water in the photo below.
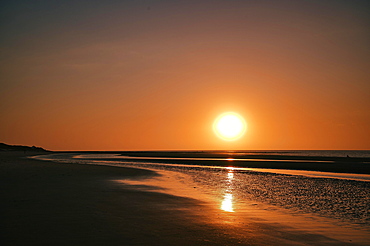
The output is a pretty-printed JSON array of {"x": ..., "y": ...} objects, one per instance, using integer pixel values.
[{"x": 227, "y": 202}]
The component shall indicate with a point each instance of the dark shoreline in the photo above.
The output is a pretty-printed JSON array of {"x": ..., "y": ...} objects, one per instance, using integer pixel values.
[
  {"x": 226, "y": 154},
  {"x": 309, "y": 163},
  {"x": 46, "y": 203}
]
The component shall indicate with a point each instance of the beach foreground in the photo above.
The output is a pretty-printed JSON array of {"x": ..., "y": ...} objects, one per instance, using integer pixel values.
[{"x": 46, "y": 203}]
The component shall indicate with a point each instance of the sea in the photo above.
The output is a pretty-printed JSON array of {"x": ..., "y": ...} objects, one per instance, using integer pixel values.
[
  {"x": 343, "y": 197},
  {"x": 311, "y": 153}
]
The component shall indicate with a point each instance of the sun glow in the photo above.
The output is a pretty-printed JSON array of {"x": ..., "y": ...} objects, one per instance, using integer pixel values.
[{"x": 229, "y": 126}]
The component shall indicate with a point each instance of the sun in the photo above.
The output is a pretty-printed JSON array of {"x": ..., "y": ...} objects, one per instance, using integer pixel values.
[{"x": 230, "y": 126}]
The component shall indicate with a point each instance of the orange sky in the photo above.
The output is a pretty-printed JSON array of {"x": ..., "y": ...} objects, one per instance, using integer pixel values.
[{"x": 110, "y": 75}]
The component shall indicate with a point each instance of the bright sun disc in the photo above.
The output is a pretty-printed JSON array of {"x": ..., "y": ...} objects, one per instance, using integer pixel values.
[{"x": 229, "y": 126}]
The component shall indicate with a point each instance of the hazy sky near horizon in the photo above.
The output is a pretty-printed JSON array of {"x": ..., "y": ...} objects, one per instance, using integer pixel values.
[{"x": 120, "y": 75}]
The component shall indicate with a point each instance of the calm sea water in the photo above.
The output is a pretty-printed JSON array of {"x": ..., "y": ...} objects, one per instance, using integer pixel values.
[
  {"x": 311, "y": 153},
  {"x": 341, "y": 199}
]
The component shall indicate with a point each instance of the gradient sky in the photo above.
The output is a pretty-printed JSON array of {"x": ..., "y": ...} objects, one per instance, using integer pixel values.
[{"x": 124, "y": 75}]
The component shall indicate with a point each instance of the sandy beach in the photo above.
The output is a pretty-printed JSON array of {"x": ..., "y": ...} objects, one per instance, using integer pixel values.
[{"x": 46, "y": 203}]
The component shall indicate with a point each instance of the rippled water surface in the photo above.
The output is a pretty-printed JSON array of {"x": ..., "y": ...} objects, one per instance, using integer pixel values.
[{"x": 345, "y": 200}]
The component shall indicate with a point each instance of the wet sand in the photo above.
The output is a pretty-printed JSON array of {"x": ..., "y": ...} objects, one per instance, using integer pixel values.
[
  {"x": 235, "y": 159},
  {"x": 45, "y": 203}
]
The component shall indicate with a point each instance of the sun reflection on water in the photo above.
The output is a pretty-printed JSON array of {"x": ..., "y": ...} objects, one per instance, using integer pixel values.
[
  {"x": 227, "y": 202},
  {"x": 230, "y": 176}
]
